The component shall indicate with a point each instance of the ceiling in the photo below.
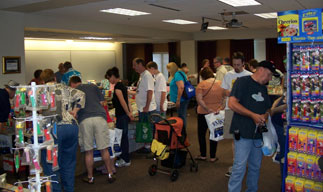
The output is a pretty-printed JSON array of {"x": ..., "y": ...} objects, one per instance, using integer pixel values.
[{"x": 193, "y": 10}]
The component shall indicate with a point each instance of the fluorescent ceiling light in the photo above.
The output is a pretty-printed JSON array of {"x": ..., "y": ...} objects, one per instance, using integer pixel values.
[
  {"x": 179, "y": 21},
  {"x": 267, "y": 15},
  {"x": 240, "y": 3},
  {"x": 216, "y": 28},
  {"x": 96, "y": 38},
  {"x": 122, "y": 11}
]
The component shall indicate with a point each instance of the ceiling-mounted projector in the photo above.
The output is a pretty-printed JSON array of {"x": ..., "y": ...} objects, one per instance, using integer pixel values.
[{"x": 234, "y": 23}]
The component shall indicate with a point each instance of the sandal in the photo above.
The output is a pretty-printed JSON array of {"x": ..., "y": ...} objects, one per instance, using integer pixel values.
[
  {"x": 212, "y": 160},
  {"x": 88, "y": 180},
  {"x": 200, "y": 158}
]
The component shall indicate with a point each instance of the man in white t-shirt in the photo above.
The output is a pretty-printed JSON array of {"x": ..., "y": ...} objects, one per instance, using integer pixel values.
[
  {"x": 160, "y": 88},
  {"x": 227, "y": 84},
  {"x": 145, "y": 97}
]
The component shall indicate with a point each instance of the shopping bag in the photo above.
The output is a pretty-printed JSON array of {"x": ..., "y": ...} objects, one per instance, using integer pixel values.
[
  {"x": 144, "y": 132},
  {"x": 270, "y": 139},
  {"x": 215, "y": 124},
  {"x": 117, "y": 142},
  {"x": 111, "y": 143}
]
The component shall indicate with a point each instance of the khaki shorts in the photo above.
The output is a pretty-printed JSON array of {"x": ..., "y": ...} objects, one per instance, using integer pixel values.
[
  {"x": 94, "y": 128},
  {"x": 227, "y": 124}
]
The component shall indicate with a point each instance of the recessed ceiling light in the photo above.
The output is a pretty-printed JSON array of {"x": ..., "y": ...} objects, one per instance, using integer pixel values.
[
  {"x": 179, "y": 21},
  {"x": 96, "y": 38},
  {"x": 216, "y": 28},
  {"x": 122, "y": 11},
  {"x": 240, "y": 3},
  {"x": 267, "y": 15}
]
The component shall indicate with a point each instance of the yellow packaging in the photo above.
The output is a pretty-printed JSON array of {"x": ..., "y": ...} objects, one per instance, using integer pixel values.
[
  {"x": 318, "y": 187},
  {"x": 302, "y": 140},
  {"x": 293, "y": 138},
  {"x": 299, "y": 185},
  {"x": 290, "y": 183},
  {"x": 319, "y": 143},
  {"x": 310, "y": 164},
  {"x": 292, "y": 163},
  {"x": 288, "y": 24},
  {"x": 301, "y": 164},
  {"x": 309, "y": 185}
]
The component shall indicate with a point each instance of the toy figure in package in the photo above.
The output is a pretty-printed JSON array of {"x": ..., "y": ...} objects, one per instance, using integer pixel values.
[
  {"x": 296, "y": 85},
  {"x": 296, "y": 110},
  {"x": 296, "y": 59},
  {"x": 306, "y": 111},
  {"x": 321, "y": 112},
  {"x": 315, "y": 87},
  {"x": 306, "y": 86},
  {"x": 321, "y": 58},
  {"x": 315, "y": 58},
  {"x": 305, "y": 59},
  {"x": 315, "y": 108},
  {"x": 321, "y": 84}
]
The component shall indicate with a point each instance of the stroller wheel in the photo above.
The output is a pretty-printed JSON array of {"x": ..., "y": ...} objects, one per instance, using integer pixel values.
[
  {"x": 194, "y": 167},
  {"x": 174, "y": 175},
  {"x": 152, "y": 170}
]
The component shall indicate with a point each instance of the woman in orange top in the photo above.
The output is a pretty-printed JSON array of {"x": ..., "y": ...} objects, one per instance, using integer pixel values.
[{"x": 210, "y": 98}]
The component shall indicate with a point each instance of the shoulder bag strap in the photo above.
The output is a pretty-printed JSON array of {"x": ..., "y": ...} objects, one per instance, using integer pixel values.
[{"x": 209, "y": 88}]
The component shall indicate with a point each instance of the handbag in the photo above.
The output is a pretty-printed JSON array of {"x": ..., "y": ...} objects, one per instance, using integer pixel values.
[
  {"x": 215, "y": 124},
  {"x": 270, "y": 139},
  {"x": 189, "y": 89},
  {"x": 144, "y": 133}
]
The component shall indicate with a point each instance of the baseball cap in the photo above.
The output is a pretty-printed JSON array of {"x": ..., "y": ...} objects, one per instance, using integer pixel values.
[
  {"x": 11, "y": 84},
  {"x": 269, "y": 65}
]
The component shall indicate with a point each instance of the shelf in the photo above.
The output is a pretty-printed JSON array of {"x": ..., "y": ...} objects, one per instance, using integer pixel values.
[{"x": 298, "y": 124}]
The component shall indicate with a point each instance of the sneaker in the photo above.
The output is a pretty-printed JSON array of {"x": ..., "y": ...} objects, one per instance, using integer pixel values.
[
  {"x": 111, "y": 178},
  {"x": 122, "y": 163},
  {"x": 88, "y": 180}
]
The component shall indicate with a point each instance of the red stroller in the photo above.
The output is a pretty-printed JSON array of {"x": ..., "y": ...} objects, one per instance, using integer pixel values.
[{"x": 169, "y": 133}]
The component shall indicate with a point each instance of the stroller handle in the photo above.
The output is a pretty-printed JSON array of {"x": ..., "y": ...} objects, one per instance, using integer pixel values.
[{"x": 156, "y": 115}]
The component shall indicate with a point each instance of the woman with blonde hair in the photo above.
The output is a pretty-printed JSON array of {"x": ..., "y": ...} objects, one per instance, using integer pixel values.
[
  {"x": 172, "y": 68},
  {"x": 210, "y": 98}
]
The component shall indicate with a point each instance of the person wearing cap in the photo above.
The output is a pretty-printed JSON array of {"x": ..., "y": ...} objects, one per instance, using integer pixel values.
[
  {"x": 5, "y": 95},
  {"x": 251, "y": 105}
]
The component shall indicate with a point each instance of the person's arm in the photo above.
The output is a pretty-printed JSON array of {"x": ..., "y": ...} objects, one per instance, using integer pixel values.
[
  {"x": 149, "y": 96},
  {"x": 123, "y": 103},
  {"x": 279, "y": 109},
  {"x": 180, "y": 89},
  {"x": 79, "y": 98},
  {"x": 200, "y": 101},
  {"x": 162, "y": 100},
  {"x": 235, "y": 106}
]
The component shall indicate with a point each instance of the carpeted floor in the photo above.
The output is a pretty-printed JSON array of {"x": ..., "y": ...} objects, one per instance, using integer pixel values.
[{"x": 210, "y": 176}]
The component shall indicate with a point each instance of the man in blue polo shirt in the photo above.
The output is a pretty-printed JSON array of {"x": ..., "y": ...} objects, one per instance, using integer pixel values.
[
  {"x": 5, "y": 95},
  {"x": 69, "y": 72}
]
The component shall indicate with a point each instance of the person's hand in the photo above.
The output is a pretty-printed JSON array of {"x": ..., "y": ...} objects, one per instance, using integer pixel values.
[
  {"x": 130, "y": 116},
  {"x": 258, "y": 119},
  {"x": 178, "y": 103},
  {"x": 162, "y": 110},
  {"x": 74, "y": 114},
  {"x": 145, "y": 109}
]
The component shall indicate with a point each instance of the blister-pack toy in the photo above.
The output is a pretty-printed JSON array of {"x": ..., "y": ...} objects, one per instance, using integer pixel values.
[
  {"x": 306, "y": 111},
  {"x": 315, "y": 58},
  {"x": 305, "y": 59},
  {"x": 310, "y": 165},
  {"x": 315, "y": 111},
  {"x": 296, "y": 58},
  {"x": 290, "y": 183},
  {"x": 317, "y": 170},
  {"x": 315, "y": 85},
  {"x": 301, "y": 165},
  {"x": 293, "y": 138},
  {"x": 296, "y": 85},
  {"x": 302, "y": 140},
  {"x": 292, "y": 163},
  {"x": 319, "y": 143},
  {"x": 305, "y": 85},
  {"x": 311, "y": 142},
  {"x": 299, "y": 185},
  {"x": 296, "y": 110},
  {"x": 309, "y": 185},
  {"x": 318, "y": 187}
]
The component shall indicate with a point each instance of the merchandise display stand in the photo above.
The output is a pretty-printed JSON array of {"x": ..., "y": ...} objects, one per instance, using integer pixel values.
[
  {"x": 304, "y": 136},
  {"x": 35, "y": 98}
]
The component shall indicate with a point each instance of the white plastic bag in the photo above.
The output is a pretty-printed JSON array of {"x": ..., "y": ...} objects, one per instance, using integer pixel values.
[
  {"x": 111, "y": 142},
  {"x": 117, "y": 142},
  {"x": 215, "y": 125},
  {"x": 270, "y": 139}
]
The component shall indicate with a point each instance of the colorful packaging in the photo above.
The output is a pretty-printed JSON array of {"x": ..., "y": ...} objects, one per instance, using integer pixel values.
[
  {"x": 299, "y": 185},
  {"x": 321, "y": 81},
  {"x": 305, "y": 86},
  {"x": 290, "y": 183},
  {"x": 321, "y": 57},
  {"x": 296, "y": 85},
  {"x": 306, "y": 111},
  {"x": 315, "y": 111},
  {"x": 315, "y": 85},
  {"x": 311, "y": 142},
  {"x": 293, "y": 138},
  {"x": 318, "y": 187},
  {"x": 296, "y": 59},
  {"x": 305, "y": 59},
  {"x": 317, "y": 170},
  {"x": 310, "y": 165},
  {"x": 301, "y": 165},
  {"x": 315, "y": 58},
  {"x": 296, "y": 110},
  {"x": 319, "y": 143},
  {"x": 292, "y": 163},
  {"x": 321, "y": 112},
  {"x": 309, "y": 186},
  {"x": 302, "y": 140}
]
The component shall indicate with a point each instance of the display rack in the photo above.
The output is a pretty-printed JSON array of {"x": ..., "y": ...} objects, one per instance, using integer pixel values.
[{"x": 34, "y": 98}]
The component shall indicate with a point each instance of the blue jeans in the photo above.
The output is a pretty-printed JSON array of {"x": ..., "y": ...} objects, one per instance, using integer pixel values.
[
  {"x": 122, "y": 123},
  {"x": 182, "y": 113},
  {"x": 245, "y": 151},
  {"x": 67, "y": 140}
]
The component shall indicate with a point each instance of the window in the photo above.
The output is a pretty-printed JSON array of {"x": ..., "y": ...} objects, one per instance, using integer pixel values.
[{"x": 162, "y": 59}]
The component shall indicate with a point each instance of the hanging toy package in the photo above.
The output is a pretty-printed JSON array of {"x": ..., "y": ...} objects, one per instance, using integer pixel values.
[
  {"x": 39, "y": 128},
  {"x": 43, "y": 98},
  {"x": 52, "y": 99},
  {"x": 48, "y": 186},
  {"x": 20, "y": 127},
  {"x": 49, "y": 154},
  {"x": 17, "y": 160},
  {"x": 26, "y": 157},
  {"x": 32, "y": 100},
  {"x": 55, "y": 158},
  {"x": 47, "y": 126}
]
